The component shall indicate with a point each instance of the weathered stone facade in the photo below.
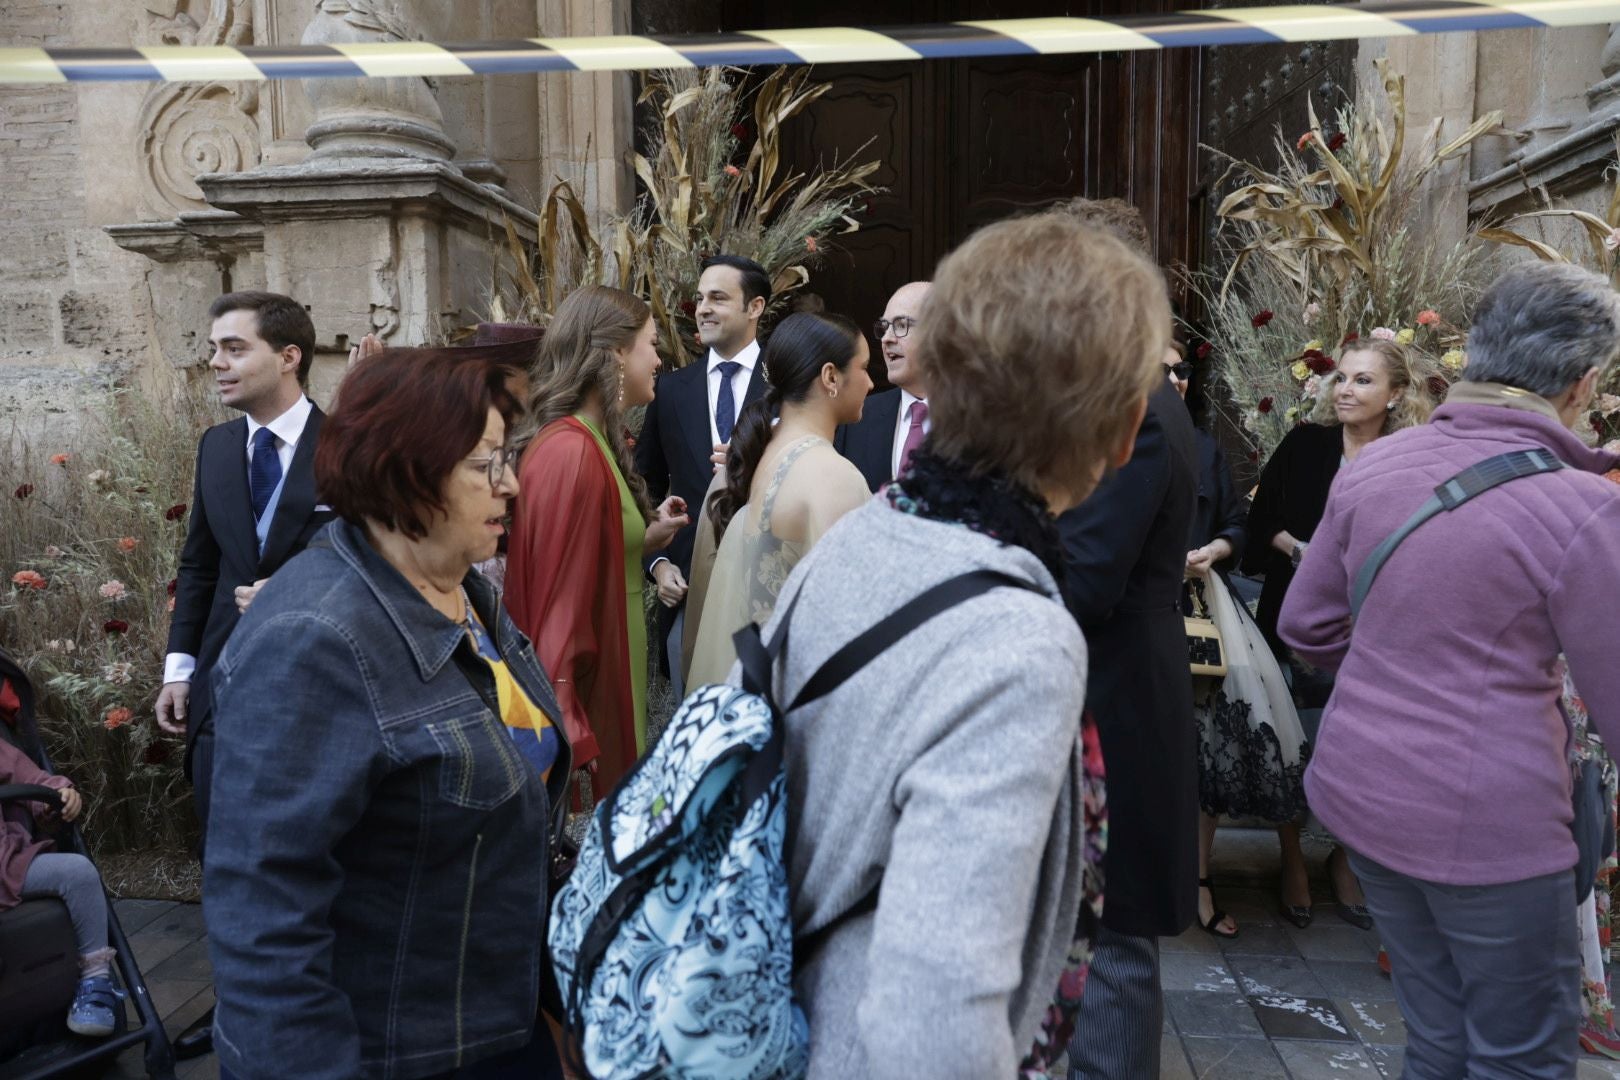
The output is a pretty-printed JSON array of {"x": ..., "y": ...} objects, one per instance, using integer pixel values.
[{"x": 381, "y": 204}]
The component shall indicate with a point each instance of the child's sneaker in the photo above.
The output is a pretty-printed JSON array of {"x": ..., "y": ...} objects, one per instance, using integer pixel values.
[{"x": 95, "y": 1007}]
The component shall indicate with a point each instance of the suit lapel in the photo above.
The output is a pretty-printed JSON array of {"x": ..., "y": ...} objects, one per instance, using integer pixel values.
[
  {"x": 227, "y": 486},
  {"x": 297, "y": 498},
  {"x": 756, "y": 386},
  {"x": 691, "y": 406}
]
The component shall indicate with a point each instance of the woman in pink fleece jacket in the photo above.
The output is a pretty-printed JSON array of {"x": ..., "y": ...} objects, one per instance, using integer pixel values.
[{"x": 1441, "y": 761}]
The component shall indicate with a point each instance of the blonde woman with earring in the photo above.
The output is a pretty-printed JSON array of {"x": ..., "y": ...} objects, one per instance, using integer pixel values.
[{"x": 583, "y": 523}]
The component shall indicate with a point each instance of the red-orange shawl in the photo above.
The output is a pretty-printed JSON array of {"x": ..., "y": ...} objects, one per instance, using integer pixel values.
[{"x": 565, "y": 589}]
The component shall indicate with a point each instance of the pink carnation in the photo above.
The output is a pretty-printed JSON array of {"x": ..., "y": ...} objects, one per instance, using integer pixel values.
[
  {"x": 113, "y": 590},
  {"x": 1383, "y": 333}
]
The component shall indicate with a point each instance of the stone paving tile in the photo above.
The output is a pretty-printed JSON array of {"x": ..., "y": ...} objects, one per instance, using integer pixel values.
[
  {"x": 1173, "y": 1063},
  {"x": 1259, "y": 940},
  {"x": 1327, "y": 942},
  {"x": 1195, "y": 971},
  {"x": 1282, "y": 1016},
  {"x": 1204, "y": 1012},
  {"x": 1387, "y": 1059},
  {"x": 1276, "y": 975},
  {"x": 1597, "y": 1068},
  {"x": 1233, "y": 1059},
  {"x": 1354, "y": 979},
  {"x": 1324, "y": 1061},
  {"x": 1190, "y": 941},
  {"x": 1374, "y": 1022}
]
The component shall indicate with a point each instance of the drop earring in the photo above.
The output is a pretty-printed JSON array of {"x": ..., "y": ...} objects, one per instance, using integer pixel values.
[{"x": 621, "y": 383}]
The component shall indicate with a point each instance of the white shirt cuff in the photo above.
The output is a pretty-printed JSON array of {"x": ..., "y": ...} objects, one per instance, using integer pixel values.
[{"x": 178, "y": 667}]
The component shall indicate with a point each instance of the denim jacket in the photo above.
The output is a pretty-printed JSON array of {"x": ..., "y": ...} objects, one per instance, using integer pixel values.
[{"x": 375, "y": 884}]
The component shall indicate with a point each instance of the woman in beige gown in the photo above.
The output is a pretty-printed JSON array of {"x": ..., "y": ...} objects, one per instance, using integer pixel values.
[{"x": 783, "y": 487}]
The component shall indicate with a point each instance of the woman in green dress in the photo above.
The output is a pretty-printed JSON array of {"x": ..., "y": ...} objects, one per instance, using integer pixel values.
[{"x": 574, "y": 563}]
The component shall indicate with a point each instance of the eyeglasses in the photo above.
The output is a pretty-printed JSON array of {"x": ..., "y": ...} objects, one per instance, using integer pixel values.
[
  {"x": 494, "y": 465},
  {"x": 901, "y": 327},
  {"x": 1181, "y": 372}
]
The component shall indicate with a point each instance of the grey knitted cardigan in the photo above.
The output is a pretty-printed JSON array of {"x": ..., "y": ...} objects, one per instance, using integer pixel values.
[{"x": 951, "y": 765}]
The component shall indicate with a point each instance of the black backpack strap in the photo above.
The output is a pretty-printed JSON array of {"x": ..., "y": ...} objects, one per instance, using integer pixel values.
[{"x": 1472, "y": 481}]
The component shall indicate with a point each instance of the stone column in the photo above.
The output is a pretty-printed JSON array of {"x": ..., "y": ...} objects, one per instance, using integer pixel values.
[
  {"x": 357, "y": 120},
  {"x": 587, "y": 124}
]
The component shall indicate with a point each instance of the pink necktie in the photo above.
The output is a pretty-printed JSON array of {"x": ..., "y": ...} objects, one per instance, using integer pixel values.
[{"x": 914, "y": 437}]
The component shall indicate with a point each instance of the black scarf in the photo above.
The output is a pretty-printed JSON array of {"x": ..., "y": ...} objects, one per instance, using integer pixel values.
[{"x": 991, "y": 503}]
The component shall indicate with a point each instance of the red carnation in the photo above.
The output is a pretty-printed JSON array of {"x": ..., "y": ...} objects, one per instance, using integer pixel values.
[
  {"x": 175, "y": 512},
  {"x": 1318, "y": 361},
  {"x": 1303, "y": 142},
  {"x": 1265, "y": 405},
  {"x": 739, "y": 130},
  {"x": 156, "y": 753},
  {"x": 1348, "y": 338},
  {"x": 688, "y": 307},
  {"x": 1204, "y": 350},
  {"x": 1338, "y": 204},
  {"x": 1254, "y": 456},
  {"x": 173, "y": 583},
  {"x": 23, "y": 491},
  {"x": 1261, "y": 318},
  {"x": 115, "y": 626},
  {"x": 1336, "y": 140},
  {"x": 1438, "y": 385}
]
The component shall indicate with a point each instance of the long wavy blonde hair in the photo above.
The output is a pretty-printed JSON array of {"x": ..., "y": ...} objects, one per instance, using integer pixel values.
[
  {"x": 1406, "y": 377},
  {"x": 580, "y": 354}
]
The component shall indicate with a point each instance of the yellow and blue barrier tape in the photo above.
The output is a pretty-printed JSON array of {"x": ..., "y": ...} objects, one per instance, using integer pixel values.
[{"x": 833, "y": 45}]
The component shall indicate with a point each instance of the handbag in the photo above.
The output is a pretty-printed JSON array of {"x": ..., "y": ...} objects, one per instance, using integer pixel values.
[{"x": 1206, "y": 652}]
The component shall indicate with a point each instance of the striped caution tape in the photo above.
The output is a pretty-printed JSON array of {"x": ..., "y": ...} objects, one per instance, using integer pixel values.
[{"x": 997, "y": 37}]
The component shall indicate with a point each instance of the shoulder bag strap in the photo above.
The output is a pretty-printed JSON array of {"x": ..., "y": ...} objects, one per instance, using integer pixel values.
[{"x": 1472, "y": 481}]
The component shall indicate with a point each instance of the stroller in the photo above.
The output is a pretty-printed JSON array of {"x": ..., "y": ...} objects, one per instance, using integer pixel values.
[{"x": 39, "y": 956}]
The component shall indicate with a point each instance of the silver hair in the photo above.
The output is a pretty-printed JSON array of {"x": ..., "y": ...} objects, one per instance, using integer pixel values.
[{"x": 1541, "y": 326}]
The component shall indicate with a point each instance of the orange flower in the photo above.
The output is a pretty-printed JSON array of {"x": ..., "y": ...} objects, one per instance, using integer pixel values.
[
  {"x": 732, "y": 170},
  {"x": 28, "y": 579},
  {"x": 61, "y": 459},
  {"x": 1428, "y": 318},
  {"x": 117, "y": 718},
  {"x": 127, "y": 543},
  {"x": 810, "y": 243}
]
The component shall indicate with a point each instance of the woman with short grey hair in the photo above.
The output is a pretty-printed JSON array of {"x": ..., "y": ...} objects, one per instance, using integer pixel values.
[{"x": 1441, "y": 758}]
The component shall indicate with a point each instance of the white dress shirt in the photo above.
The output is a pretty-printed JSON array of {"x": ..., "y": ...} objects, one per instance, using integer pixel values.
[
  {"x": 288, "y": 429},
  {"x": 748, "y": 357},
  {"x": 902, "y": 428}
]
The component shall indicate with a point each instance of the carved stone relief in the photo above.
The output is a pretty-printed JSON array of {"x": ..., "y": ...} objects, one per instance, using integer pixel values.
[{"x": 188, "y": 129}]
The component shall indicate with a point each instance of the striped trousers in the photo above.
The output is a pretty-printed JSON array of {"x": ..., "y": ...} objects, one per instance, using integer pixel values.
[{"x": 1116, "y": 1034}]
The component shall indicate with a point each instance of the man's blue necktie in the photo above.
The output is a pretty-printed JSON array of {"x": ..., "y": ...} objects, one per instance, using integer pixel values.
[
  {"x": 264, "y": 471},
  {"x": 725, "y": 406}
]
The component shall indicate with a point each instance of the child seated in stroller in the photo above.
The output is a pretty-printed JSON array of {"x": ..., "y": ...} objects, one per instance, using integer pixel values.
[{"x": 29, "y": 867}]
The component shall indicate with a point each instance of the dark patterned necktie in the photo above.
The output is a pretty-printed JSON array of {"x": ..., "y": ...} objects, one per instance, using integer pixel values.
[
  {"x": 264, "y": 471},
  {"x": 725, "y": 406}
]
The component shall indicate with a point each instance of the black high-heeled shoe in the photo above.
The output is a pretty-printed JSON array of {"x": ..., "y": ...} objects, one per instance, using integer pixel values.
[
  {"x": 1356, "y": 915},
  {"x": 1211, "y": 926},
  {"x": 1299, "y": 916}
]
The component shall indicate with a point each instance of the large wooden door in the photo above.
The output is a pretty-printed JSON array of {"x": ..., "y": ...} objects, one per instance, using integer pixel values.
[{"x": 966, "y": 142}]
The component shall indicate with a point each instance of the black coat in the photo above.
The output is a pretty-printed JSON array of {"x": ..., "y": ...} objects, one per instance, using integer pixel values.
[
  {"x": 1125, "y": 555},
  {"x": 869, "y": 443},
  {"x": 222, "y": 550},
  {"x": 1220, "y": 514},
  {"x": 1292, "y": 495},
  {"x": 673, "y": 449}
]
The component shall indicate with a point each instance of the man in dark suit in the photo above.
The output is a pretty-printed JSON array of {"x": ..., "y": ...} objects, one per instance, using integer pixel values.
[
  {"x": 894, "y": 422},
  {"x": 253, "y": 507},
  {"x": 691, "y": 419},
  {"x": 1125, "y": 556}
]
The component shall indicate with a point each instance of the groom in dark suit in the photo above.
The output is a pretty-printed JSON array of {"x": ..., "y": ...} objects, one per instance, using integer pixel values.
[
  {"x": 253, "y": 507},
  {"x": 691, "y": 420},
  {"x": 894, "y": 422}
]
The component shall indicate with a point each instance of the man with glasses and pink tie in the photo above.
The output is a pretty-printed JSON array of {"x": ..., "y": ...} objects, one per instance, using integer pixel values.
[{"x": 894, "y": 422}]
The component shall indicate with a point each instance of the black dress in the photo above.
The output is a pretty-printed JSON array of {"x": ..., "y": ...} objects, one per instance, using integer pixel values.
[
  {"x": 1292, "y": 495},
  {"x": 1125, "y": 554}
]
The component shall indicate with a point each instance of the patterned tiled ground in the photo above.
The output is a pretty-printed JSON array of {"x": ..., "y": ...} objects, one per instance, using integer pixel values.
[{"x": 1273, "y": 1004}]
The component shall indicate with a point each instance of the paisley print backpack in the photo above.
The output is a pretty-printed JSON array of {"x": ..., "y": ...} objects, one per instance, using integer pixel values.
[{"x": 672, "y": 941}]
